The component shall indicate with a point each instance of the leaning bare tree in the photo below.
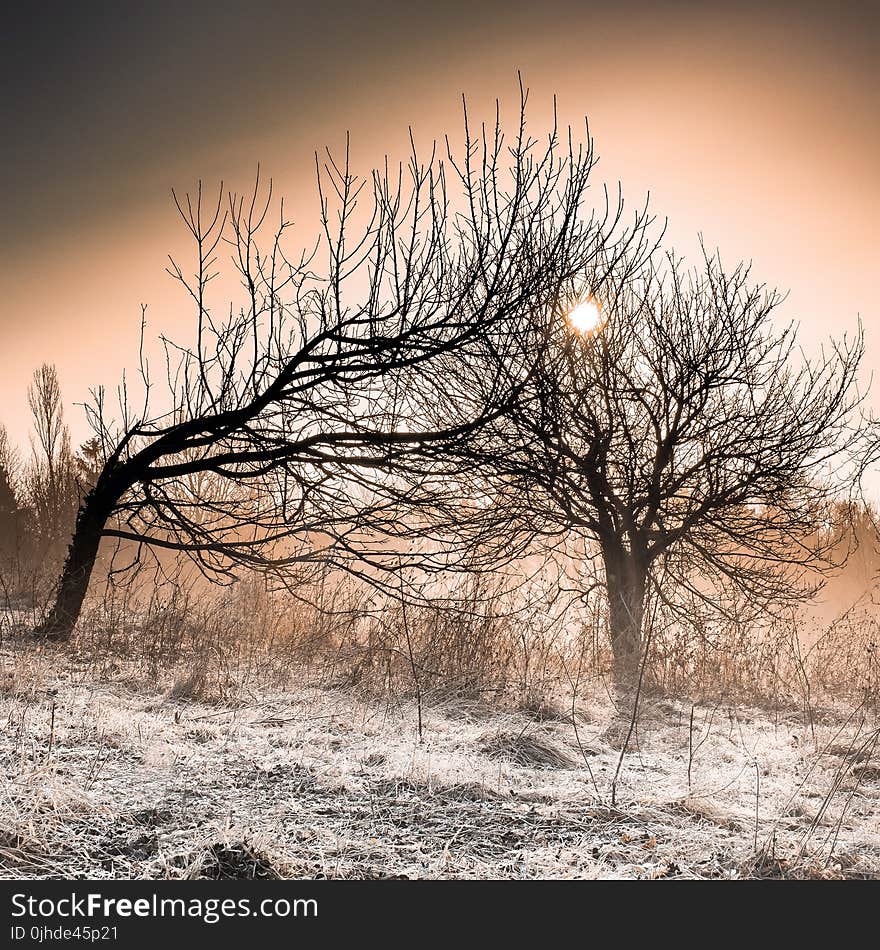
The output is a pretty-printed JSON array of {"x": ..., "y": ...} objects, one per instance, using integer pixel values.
[
  {"x": 292, "y": 412},
  {"x": 670, "y": 427}
]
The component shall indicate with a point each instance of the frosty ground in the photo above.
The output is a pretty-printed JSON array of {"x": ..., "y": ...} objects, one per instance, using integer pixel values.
[{"x": 109, "y": 776}]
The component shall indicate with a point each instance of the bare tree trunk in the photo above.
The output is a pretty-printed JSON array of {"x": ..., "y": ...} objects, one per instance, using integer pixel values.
[
  {"x": 70, "y": 592},
  {"x": 626, "y": 576}
]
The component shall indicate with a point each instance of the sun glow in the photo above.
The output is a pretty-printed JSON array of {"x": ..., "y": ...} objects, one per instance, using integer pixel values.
[{"x": 586, "y": 318}]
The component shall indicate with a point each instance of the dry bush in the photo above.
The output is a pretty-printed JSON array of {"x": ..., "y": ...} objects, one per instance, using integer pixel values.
[
  {"x": 24, "y": 592},
  {"x": 478, "y": 646},
  {"x": 216, "y": 644},
  {"x": 712, "y": 658},
  {"x": 843, "y": 660},
  {"x": 221, "y": 644},
  {"x": 786, "y": 661}
]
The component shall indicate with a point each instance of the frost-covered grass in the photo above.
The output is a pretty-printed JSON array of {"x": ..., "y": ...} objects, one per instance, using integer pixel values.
[{"x": 126, "y": 778}]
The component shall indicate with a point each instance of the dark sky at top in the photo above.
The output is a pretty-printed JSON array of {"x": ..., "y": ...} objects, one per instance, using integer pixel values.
[{"x": 757, "y": 124}]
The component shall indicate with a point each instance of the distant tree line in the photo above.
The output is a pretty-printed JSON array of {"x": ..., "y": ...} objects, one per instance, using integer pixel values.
[{"x": 41, "y": 489}]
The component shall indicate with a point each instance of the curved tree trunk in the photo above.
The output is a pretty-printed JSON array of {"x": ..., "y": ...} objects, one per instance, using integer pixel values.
[
  {"x": 70, "y": 592},
  {"x": 626, "y": 577}
]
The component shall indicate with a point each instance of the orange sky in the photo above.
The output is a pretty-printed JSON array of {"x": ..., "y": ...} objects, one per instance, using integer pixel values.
[{"x": 759, "y": 127}]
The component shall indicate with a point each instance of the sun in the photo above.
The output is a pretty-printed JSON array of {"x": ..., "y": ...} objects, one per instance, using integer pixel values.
[{"x": 586, "y": 317}]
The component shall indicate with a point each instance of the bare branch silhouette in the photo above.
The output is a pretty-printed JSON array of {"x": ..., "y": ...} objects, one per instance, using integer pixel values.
[
  {"x": 681, "y": 428},
  {"x": 297, "y": 428}
]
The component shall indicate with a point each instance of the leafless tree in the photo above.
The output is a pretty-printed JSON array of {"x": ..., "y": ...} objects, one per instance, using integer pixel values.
[
  {"x": 670, "y": 429},
  {"x": 10, "y": 508},
  {"x": 50, "y": 485},
  {"x": 44, "y": 399},
  {"x": 296, "y": 426}
]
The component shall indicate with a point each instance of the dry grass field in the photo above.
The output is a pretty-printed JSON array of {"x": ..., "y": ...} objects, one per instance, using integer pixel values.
[{"x": 112, "y": 774}]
